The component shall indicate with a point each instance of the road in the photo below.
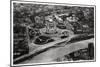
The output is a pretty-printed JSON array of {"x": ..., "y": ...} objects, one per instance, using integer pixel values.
[{"x": 53, "y": 53}]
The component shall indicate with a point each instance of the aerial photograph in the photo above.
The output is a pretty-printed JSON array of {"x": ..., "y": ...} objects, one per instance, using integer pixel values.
[{"x": 46, "y": 33}]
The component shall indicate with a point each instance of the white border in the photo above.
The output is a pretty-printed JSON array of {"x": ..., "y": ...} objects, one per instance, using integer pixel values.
[{"x": 51, "y": 3}]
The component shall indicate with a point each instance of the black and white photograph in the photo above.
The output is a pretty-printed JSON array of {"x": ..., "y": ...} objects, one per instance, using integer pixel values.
[{"x": 51, "y": 33}]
